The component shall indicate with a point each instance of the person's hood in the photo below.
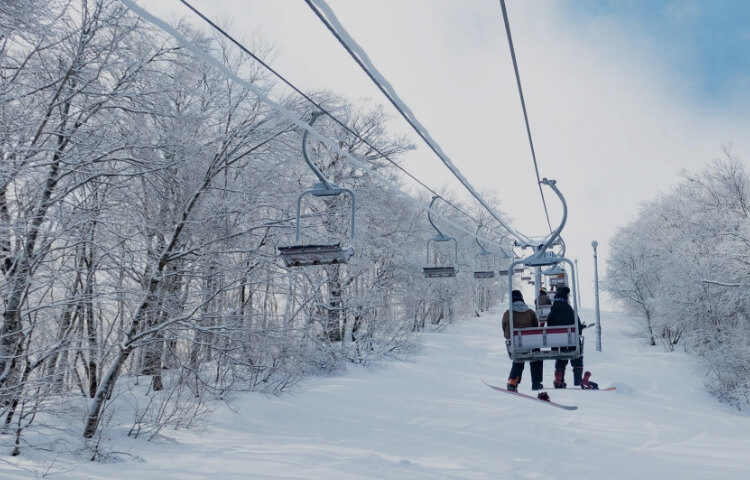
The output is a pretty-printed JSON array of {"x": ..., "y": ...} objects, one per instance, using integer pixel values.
[{"x": 520, "y": 307}]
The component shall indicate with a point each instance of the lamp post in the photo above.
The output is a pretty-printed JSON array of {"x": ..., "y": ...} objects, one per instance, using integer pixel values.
[
  {"x": 578, "y": 284},
  {"x": 596, "y": 296}
]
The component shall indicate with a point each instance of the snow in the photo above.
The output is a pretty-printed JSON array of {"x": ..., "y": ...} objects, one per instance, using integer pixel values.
[{"x": 432, "y": 417}]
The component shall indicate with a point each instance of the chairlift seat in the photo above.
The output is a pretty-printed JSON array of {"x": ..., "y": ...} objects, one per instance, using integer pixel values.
[
  {"x": 543, "y": 343},
  {"x": 308, "y": 255},
  {"x": 487, "y": 274},
  {"x": 502, "y": 272},
  {"x": 439, "y": 272}
]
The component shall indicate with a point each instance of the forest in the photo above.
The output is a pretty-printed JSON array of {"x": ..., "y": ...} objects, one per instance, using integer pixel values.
[
  {"x": 683, "y": 265},
  {"x": 143, "y": 198}
]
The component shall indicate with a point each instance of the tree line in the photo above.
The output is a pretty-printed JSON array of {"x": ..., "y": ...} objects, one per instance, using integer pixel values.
[{"x": 683, "y": 267}]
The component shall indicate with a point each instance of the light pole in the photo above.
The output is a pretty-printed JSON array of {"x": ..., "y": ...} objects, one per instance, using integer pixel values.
[
  {"x": 596, "y": 296},
  {"x": 578, "y": 285}
]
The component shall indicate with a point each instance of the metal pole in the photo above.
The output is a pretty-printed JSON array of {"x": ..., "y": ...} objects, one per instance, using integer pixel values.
[
  {"x": 596, "y": 295},
  {"x": 578, "y": 285}
]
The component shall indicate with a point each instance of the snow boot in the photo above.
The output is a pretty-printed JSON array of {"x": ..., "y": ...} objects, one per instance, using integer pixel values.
[
  {"x": 559, "y": 379},
  {"x": 577, "y": 372},
  {"x": 513, "y": 384},
  {"x": 537, "y": 386},
  {"x": 587, "y": 384},
  {"x": 543, "y": 396}
]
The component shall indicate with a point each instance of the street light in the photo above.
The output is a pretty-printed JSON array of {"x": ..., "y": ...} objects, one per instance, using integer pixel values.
[
  {"x": 578, "y": 285},
  {"x": 596, "y": 296}
]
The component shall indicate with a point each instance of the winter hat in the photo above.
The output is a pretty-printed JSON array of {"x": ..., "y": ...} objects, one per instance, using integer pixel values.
[
  {"x": 562, "y": 294},
  {"x": 516, "y": 296},
  {"x": 543, "y": 290}
]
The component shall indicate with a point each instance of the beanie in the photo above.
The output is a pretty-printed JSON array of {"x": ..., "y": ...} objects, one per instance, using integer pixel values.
[
  {"x": 562, "y": 294},
  {"x": 516, "y": 296}
]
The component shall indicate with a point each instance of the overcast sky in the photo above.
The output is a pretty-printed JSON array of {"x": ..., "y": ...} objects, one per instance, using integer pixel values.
[{"x": 622, "y": 95}]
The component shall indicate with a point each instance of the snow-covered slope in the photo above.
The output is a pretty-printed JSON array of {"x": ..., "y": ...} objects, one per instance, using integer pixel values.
[{"x": 432, "y": 417}]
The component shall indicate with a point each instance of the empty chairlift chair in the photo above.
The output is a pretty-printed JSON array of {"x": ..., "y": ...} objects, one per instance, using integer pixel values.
[
  {"x": 481, "y": 263},
  {"x": 440, "y": 271},
  {"x": 322, "y": 253}
]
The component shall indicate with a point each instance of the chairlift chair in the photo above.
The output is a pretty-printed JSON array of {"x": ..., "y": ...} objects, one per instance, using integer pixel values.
[
  {"x": 545, "y": 342},
  {"x": 558, "y": 281},
  {"x": 556, "y": 276},
  {"x": 440, "y": 271},
  {"x": 484, "y": 253},
  {"x": 318, "y": 254}
]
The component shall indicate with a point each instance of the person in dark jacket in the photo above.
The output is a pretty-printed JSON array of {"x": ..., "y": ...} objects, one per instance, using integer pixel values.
[
  {"x": 523, "y": 317},
  {"x": 563, "y": 314},
  {"x": 543, "y": 298}
]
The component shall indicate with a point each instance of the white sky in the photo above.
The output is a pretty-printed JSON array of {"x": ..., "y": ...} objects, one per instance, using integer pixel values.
[
  {"x": 610, "y": 121},
  {"x": 432, "y": 418}
]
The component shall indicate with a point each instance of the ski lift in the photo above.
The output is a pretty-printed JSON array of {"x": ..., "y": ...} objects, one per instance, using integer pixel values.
[
  {"x": 321, "y": 254},
  {"x": 484, "y": 253},
  {"x": 545, "y": 342},
  {"x": 434, "y": 271},
  {"x": 558, "y": 281},
  {"x": 557, "y": 277},
  {"x": 505, "y": 270}
]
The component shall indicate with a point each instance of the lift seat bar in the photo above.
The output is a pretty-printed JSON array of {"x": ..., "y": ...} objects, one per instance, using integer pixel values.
[
  {"x": 439, "y": 272},
  {"x": 307, "y": 255}
]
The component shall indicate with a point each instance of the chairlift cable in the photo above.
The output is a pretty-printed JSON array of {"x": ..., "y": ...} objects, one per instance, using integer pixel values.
[
  {"x": 141, "y": 12},
  {"x": 328, "y": 19},
  {"x": 318, "y": 106},
  {"x": 523, "y": 107}
]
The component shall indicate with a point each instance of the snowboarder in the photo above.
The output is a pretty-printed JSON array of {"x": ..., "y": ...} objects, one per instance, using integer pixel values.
[
  {"x": 563, "y": 314},
  {"x": 523, "y": 316}
]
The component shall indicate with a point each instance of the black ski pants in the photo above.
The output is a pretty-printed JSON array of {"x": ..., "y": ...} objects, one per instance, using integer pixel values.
[
  {"x": 576, "y": 363},
  {"x": 536, "y": 371}
]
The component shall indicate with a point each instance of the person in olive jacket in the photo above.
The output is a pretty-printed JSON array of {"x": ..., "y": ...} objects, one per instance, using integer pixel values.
[
  {"x": 523, "y": 317},
  {"x": 563, "y": 314}
]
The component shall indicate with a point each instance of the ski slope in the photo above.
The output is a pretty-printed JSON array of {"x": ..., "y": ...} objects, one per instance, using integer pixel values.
[{"x": 432, "y": 417}]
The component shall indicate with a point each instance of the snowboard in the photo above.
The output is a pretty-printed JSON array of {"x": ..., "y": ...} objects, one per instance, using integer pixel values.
[{"x": 523, "y": 395}]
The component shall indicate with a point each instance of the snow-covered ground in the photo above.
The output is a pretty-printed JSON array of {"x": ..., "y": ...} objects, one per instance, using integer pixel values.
[{"x": 432, "y": 417}]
